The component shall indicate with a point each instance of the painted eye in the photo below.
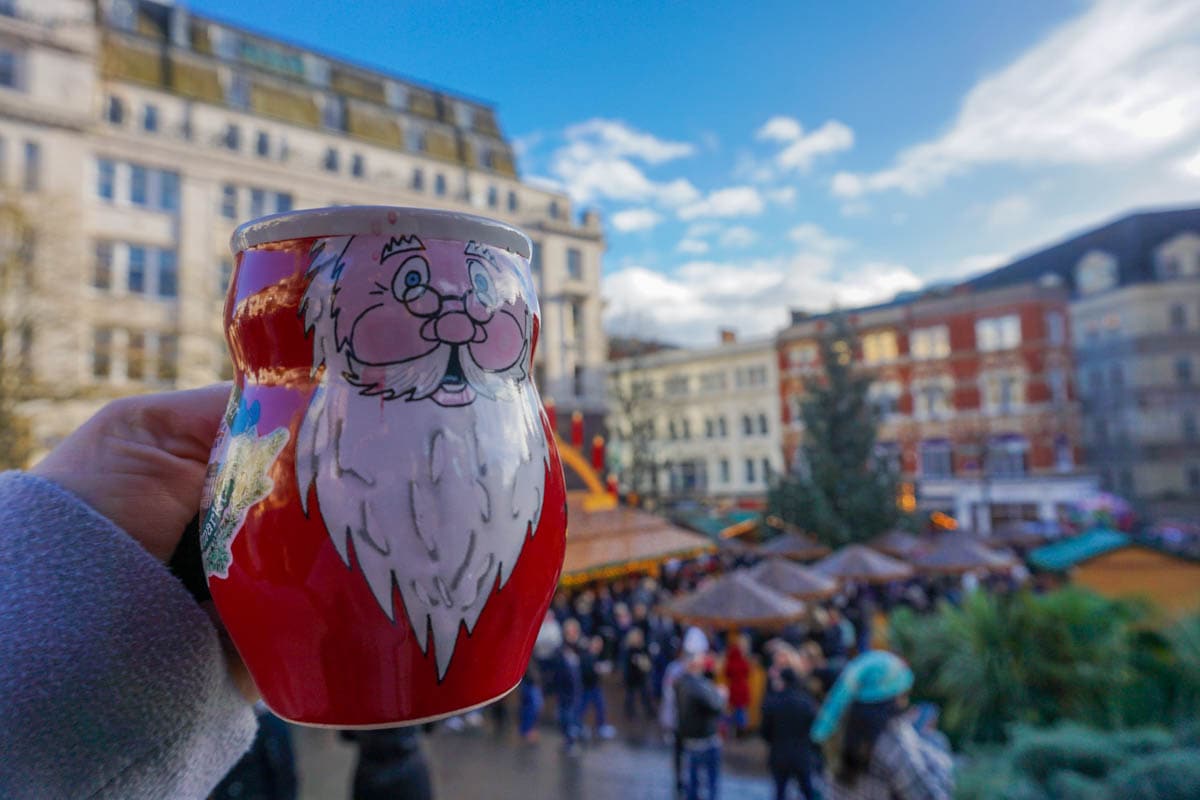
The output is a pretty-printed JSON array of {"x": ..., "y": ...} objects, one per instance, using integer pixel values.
[
  {"x": 411, "y": 280},
  {"x": 481, "y": 282}
]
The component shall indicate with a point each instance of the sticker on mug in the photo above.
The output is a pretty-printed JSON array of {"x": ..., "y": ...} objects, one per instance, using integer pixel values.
[
  {"x": 241, "y": 479},
  {"x": 423, "y": 442}
]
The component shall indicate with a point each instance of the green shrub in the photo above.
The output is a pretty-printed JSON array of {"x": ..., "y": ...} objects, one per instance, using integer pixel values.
[
  {"x": 1170, "y": 775},
  {"x": 1042, "y": 753}
]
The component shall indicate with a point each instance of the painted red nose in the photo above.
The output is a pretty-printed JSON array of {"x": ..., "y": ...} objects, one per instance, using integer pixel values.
[{"x": 454, "y": 328}]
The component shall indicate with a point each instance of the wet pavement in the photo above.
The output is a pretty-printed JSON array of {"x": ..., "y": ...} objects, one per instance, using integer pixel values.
[{"x": 481, "y": 763}]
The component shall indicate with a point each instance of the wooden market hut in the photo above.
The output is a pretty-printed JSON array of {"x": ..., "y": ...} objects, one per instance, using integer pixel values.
[
  {"x": 1114, "y": 565},
  {"x": 605, "y": 539}
]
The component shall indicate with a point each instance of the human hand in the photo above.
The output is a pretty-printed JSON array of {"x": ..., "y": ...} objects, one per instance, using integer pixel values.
[{"x": 141, "y": 462}]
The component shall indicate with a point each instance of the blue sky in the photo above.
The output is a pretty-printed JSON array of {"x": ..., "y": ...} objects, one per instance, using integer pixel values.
[{"x": 751, "y": 159}]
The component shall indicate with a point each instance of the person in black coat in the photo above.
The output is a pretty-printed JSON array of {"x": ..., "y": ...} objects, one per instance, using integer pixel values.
[
  {"x": 787, "y": 717},
  {"x": 390, "y": 766}
]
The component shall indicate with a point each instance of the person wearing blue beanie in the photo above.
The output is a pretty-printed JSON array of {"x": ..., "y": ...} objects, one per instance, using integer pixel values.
[{"x": 874, "y": 750}]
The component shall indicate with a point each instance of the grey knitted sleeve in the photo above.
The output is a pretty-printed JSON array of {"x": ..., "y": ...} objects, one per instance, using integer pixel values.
[{"x": 112, "y": 681}]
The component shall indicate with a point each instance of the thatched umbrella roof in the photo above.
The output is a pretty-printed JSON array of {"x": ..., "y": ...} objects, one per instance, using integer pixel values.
[
  {"x": 856, "y": 562},
  {"x": 898, "y": 544},
  {"x": 794, "y": 545},
  {"x": 793, "y": 579},
  {"x": 963, "y": 553},
  {"x": 735, "y": 600}
]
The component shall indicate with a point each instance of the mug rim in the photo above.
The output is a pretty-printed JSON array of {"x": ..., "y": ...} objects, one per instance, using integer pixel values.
[{"x": 434, "y": 223}]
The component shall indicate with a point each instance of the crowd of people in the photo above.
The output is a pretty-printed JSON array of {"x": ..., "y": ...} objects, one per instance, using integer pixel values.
[{"x": 697, "y": 686}]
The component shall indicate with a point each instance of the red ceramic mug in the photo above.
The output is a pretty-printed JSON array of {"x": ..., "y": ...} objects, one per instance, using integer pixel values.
[{"x": 384, "y": 516}]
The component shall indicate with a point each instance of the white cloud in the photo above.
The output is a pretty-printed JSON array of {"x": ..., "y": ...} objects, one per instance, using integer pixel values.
[
  {"x": 1115, "y": 84},
  {"x": 734, "y": 201},
  {"x": 780, "y": 129},
  {"x": 1008, "y": 211},
  {"x": 597, "y": 162},
  {"x": 1190, "y": 166},
  {"x": 784, "y": 195},
  {"x": 699, "y": 230},
  {"x": 815, "y": 238},
  {"x": 635, "y": 219},
  {"x": 546, "y": 183},
  {"x": 619, "y": 139},
  {"x": 738, "y": 236},
  {"x": 801, "y": 149},
  {"x": 688, "y": 305},
  {"x": 695, "y": 247}
]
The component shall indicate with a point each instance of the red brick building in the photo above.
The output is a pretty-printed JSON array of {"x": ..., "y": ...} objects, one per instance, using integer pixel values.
[{"x": 975, "y": 392}]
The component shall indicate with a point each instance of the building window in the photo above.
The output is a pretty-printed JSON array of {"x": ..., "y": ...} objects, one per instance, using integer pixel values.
[
  {"x": 357, "y": 168},
  {"x": 747, "y": 425},
  {"x": 258, "y": 202},
  {"x": 766, "y": 470},
  {"x": 114, "y": 110},
  {"x": 135, "y": 277},
  {"x": 672, "y": 431},
  {"x": 106, "y": 179},
  {"x": 1190, "y": 431},
  {"x": 168, "y": 357},
  {"x": 686, "y": 427},
  {"x": 1178, "y": 317},
  {"x": 512, "y": 200},
  {"x": 229, "y": 201},
  {"x": 937, "y": 459},
  {"x": 1064, "y": 456},
  {"x": 925, "y": 343},
  {"x": 1003, "y": 392},
  {"x": 1057, "y": 380},
  {"x": 9, "y": 70},
  {"x": 553, "y": 209},
  {"x": 232, "y": 138},
  {"x": 1193, "y": 478},
  {"x": 135, "y": 356},
  {"x": 998, "y": 333},
  {"x": 722, "y": 427},
  {"x": 745, "y": 377},
  {"x": 1178, "y": 257},
  {"x": 414, "y": 138},
  {"x": 577, "y": 388},
  {"x": 283, "y": 202},
  {"x": 1056, "y": 328},
  {"x": 724, "y": 470},
  {"x": 750, "y": 477},
  {"x": 879, "y": 347},
  {"x": 139, "y": 191},
  {"x": 168, "y": 191},
  {"x": 493, "y": 197},
  {"x": 168, "y": 274},
  {"x": 1006, "y": 457},
  {"x": 330, "y": 161},
  {"x": 1096, "y": 272},
  {"x": 931, "y": 397},
  {"x": 102, "y": 269},
  {"x": 574, "y": 264},
  {"x": 709, "y": 428},
  {"x": 102, "y": 342},
  {"x": 333, "y": 113},
  {"x": 32, "y": 180},
  {"x": 712, "y": 382},
  {"x": 676, "y": 385},
  {"x": 762, "y": 424},
  {"x": 439, "y": 184},
  {"x": 1183, "y": 370},
  {"x": 418, "y": 180},
  {"x": 150, "y": 118},
  {"x": 884, "y": 398},
  {"x": 577, "y": 322},
  {"x": 262, "y": 144}
]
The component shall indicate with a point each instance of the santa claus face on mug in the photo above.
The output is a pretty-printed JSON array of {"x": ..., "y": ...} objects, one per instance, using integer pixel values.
[{"x": 423, "y": 441}]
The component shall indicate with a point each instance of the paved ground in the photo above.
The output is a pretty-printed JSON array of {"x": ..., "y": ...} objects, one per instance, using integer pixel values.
[{"x": 482, "y": 764}]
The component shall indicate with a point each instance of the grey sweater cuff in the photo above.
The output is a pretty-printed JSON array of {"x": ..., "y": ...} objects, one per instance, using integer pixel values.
[{"x": 112, "y": 679}]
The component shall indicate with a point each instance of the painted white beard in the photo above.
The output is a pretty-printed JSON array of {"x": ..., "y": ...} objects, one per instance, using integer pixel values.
[{"x": 437, "y": 500}]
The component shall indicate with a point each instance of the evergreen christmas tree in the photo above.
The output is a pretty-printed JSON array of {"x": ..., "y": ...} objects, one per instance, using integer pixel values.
[{"x": 842, "y": 493}]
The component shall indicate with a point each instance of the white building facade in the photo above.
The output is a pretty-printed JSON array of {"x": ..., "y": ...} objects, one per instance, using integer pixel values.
[
  {"x": 712, "y": 418},
  {"x": 134, "y": 137}
]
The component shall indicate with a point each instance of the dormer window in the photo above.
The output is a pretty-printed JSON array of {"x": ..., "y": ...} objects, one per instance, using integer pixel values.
[
  {"x": 1096, "y": 272},
  {"x": 1178, "y": 257}
]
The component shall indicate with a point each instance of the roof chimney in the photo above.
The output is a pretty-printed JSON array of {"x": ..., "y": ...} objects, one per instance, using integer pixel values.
[{"x": 728, "y": 335}]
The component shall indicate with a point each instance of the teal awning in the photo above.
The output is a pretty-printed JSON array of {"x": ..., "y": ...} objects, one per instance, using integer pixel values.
[{"x": 1066, "y": 553}]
